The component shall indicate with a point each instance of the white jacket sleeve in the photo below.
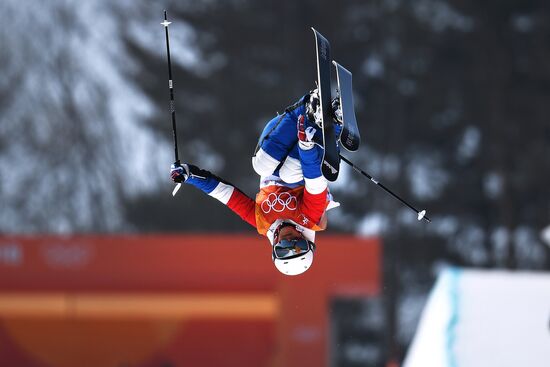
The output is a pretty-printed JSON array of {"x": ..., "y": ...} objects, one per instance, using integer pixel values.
[{"x": 263, "y": 163}]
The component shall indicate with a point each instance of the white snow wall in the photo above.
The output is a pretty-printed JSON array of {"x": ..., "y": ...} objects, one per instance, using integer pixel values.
[{"x": 486, "y": 319}]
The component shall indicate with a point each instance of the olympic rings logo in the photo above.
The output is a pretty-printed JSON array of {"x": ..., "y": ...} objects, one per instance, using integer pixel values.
[{"x": 279, "y": 203}]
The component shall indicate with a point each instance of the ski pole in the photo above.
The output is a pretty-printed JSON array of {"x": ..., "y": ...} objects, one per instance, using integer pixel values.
[
  {"x": 421, "y": 214},
  {"x": 172, "y": 104}
]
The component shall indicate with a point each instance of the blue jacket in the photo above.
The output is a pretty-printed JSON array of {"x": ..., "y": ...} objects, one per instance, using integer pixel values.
[{"x": 277, "y": 152}]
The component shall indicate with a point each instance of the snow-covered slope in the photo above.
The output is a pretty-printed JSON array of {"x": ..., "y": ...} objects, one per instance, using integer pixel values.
[
  {"x": 477, "y": 318},
  {"x": 72, "y": 138}
]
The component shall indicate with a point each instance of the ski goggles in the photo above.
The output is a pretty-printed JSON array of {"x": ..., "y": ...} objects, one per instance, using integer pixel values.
[{"x": 286, "y": 249}]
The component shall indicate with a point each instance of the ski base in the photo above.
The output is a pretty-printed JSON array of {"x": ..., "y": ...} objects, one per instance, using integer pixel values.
[
  {"x": 349, "y": 137},
  {"x": 331, "y": 159}
]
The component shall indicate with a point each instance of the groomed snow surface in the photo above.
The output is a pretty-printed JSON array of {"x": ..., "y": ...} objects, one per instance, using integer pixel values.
[{"x": 486, "y": 319}]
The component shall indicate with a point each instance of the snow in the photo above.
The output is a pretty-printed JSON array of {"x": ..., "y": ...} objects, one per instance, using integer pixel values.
[
  {"x": 469, "y": 144},
  {"x": 407, "y": 87},
  {"x": 429, "y": 347},
  {"x": 441, "y": 16},
  {"x": 205, "y": 157},
  {"x": 499, "y": 240},
  {"x": 373, "y": 66},
  {"x": 445, "y": 225},
  {"x": 79, "y": 91},
  {"x": 493, "y": 184},
  {"x": 469, "y": 241},
  {"x": 427, "y": 176},
  {"x": 545, "y": 235},
  {"x": 484, "y": 318},
  {"x": 523, "y": 23},
  {"x": 344, "y": 183},
  {"x": 528, "y": 249},
  {"x": 373, "y": 224},
  {"x": 359, "y": 353}
]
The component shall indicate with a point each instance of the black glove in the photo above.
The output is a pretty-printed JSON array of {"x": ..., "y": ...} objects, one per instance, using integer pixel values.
[{"x": 179, "y": 173}]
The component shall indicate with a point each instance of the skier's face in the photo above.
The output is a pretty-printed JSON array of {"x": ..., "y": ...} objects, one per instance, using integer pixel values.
[{"x": 288, "y": 233}]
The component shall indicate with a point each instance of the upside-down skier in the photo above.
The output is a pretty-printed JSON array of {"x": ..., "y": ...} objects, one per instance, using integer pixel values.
[{"x": 294, "y": 196}]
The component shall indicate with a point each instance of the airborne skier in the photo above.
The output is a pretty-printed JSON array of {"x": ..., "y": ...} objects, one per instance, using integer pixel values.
[
  {"x": 297, "y": 152},
  {"x": 293, "y": 198}
]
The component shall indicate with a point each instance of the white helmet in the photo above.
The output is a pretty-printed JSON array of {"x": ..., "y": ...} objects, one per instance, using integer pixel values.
[{"x": 293, "y": 256}]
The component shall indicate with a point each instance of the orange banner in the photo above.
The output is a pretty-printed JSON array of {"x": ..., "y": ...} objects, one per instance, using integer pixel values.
[{"x": 172, "y": 300}]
